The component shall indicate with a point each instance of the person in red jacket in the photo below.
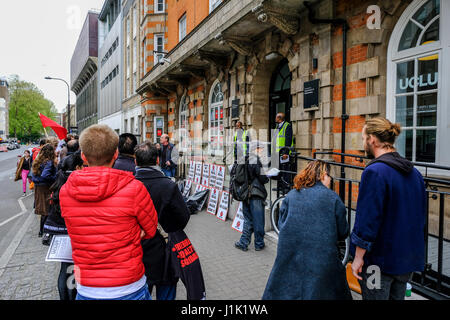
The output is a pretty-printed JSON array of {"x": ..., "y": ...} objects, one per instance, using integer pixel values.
[{"x": 107, "y": 212}]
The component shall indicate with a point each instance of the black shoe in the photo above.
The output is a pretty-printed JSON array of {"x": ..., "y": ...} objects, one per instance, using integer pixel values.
[
  {"x": 239, "y": 246},
  {"x": 46, "y": 239},
  {"x": 259, "y": 248},
  {"x": 40, "y": 234}
]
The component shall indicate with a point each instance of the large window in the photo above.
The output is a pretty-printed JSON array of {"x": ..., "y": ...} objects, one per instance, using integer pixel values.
[
  {"x": 182, "y": 27},
  {"x": 415, "y": 99},
  {"x": 216, "y": 116},
  {"x": 183, "y": 124}
]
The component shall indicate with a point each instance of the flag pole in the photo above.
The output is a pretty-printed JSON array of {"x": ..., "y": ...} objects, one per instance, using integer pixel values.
[{"x": 46, "y": 135}]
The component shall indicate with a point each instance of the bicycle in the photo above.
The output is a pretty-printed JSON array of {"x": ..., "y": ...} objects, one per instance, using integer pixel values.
[{"x": 343, "y": 246}]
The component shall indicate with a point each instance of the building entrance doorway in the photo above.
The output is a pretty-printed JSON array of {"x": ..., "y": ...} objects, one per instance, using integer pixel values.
[{"x": 280, "y": 93}]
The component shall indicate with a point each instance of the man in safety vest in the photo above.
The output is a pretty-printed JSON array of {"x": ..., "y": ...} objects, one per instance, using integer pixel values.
[
  {"x": 283, "y": 137},
  {"x": 241, "y": 143}
]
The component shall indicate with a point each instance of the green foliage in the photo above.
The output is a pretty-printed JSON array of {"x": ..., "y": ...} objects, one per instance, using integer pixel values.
[{"x": 26, "y": 101}]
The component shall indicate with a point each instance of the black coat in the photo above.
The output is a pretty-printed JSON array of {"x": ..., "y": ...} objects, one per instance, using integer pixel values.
[
  {"x": 173, "y": 215},
  {"x": 125, "y": 163}
]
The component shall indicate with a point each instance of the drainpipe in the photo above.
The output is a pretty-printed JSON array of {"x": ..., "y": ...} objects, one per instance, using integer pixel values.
[{"x": 344, "y": 115}]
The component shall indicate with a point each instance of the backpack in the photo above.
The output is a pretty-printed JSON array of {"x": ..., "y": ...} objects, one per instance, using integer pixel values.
[{"x": 239, "y": 185}]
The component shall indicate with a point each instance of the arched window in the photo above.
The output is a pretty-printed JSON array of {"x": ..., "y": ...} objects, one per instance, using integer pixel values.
[
  {"x": 215, "y": 122},
  {"x": 415, "y": 67},
  {"x": 183, "y": 122}
]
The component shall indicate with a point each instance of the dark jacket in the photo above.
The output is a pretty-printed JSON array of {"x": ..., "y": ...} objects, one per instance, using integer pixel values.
[
  {"x": 166, "y": 155},
  {"x": 390, "y": 215},
  {"x": 173, "y": 215},
  {"x": 47, "y": 176},
  {"x": 126, "y": 163},
  {"x": 256, "y": 179},
  {"x": 307, "y": 266}
]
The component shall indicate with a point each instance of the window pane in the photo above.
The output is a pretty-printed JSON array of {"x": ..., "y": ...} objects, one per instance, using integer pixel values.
[
  {"x": 426, "y": 109},
  {"x": 427, "y": 12},
  {"x": 404, "y": 111},
  {"x": 426, "y": 145},
  {"x": 410, "y": 36},
  {"x": 405, "y": 77},
  {"x": 428, "y": 73},
  {"x": 432, "y": 33},
  {"x": 404, "y": 144}
]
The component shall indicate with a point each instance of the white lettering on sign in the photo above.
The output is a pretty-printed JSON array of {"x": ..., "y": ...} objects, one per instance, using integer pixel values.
[{"x": 421, "y": 81}]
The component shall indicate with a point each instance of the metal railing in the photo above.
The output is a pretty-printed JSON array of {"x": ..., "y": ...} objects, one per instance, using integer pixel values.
[{"x": 432, "y": 282}]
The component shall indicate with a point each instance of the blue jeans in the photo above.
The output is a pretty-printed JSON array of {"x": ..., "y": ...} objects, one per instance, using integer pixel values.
[
  {"x": 165, "y": 292},
  {"x": 170, "y": 172},
  {"x": 253, "y": 222},
  {"x": 141, "y": 294}
]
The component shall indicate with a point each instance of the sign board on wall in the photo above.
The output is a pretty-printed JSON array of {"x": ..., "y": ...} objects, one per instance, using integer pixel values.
[{"x": 311, "y": 94}]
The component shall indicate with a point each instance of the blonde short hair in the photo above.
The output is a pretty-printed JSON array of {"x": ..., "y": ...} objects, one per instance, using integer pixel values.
[{"x": 99, "y": 143}]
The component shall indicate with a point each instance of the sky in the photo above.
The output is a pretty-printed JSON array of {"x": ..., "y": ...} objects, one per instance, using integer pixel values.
[{"x": 38, "y": 39}]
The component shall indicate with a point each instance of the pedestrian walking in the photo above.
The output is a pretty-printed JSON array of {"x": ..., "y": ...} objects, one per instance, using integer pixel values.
[
  {"x": 173, "y": 216},
  {"x": 125, "y": 161},
  {"x": 23, "y": 170},
  {"x": 107, "y": 212},
  {"x": 43, "y": 175},
  {"x": 169, "y": 156},
  {"x": 253, "y": 206},
  {"x": 388, "y": 234},
  {"x": 55, "y": 225},
  {"x": 312, "y": 220}
]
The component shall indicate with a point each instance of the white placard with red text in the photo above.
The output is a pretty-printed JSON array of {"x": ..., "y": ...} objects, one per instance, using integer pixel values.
[
  {"x": 212, "y": 175},
  {"x": 223, "y": 206},
  {"x": 213, "y": 201},
  {"x": 238, "y": 222},
  {"x": 191, "y": 174},
  {"x": 220, "y": 177}
]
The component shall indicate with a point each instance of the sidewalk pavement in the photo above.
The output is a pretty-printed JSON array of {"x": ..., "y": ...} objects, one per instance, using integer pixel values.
[{"x": 229, "y": 273}]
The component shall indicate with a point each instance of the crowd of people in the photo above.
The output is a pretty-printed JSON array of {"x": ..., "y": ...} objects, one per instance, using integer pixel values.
[{"x": 116, "y": 201}]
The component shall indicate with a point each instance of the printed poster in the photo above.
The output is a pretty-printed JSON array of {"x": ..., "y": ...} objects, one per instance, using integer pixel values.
[
  {"x": 238, "y": 222},
  {"x": 223, "y": 206},
  {"x": 200, "y": 188},
  {"x": 198, "y": 171},
  {"x": 206, "y": 170},
  {"x": 212, "y": 175},
  {"x": 191, "y": 174},
  {"x": 187, "y": 188},
  {"x": 220, "y": 179},
  {"x": 213, "y": 200},
  {"x": 60, "y": 249}
]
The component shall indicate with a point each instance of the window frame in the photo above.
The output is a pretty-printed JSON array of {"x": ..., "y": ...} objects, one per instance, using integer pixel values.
[
  {"x": 395, "y": 57},
  {"x": 156, "y": 4},
  {"x": 220, "y": 106},
  {"x": 157, "y": 36},
  {"x": 213, "y": 4},
  {"x": 182, "y": 18}
]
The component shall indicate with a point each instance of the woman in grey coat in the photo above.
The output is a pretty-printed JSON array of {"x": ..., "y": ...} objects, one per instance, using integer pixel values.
[{"x": 312, "y": 221}]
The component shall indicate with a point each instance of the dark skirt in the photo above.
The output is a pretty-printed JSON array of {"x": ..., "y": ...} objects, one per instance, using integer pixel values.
[{"x": 42, "y": 195}]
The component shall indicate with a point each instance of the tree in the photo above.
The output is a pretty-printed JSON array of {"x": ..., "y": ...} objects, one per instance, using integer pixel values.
[{"x": 26, "y": 101}]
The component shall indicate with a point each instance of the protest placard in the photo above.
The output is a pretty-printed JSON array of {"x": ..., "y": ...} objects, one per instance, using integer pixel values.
[
  {"x": 223, "y": 206},
  {"x": 220, "y": 177},
  {"x": 213, "y": 200},
  {"x": 187, "y": 188},
  {"x": 238, "y": 222},
  {"x": 212, "y": 175},
  {"x": 60, "y": 249}
]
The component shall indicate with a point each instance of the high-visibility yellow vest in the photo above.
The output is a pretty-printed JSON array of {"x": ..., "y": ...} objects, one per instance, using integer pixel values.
[
  {"x": 244, "y": 140},
  {"x": 281, "y": 138}
]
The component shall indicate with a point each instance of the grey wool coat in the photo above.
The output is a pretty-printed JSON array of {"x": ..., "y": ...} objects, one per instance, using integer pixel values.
[{"x": 307, "y": 266}]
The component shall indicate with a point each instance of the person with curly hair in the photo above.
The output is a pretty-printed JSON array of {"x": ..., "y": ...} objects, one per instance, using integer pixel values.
[
  {"x": 43, "y": 176},
  {"x": 312, "y": 221}
]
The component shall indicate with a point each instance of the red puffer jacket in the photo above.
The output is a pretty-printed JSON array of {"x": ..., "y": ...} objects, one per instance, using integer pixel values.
[{"x": 104, "y": 210}]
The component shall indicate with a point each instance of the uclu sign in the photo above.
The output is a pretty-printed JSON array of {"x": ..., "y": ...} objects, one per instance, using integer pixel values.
[{"x": 422, "y": 81}]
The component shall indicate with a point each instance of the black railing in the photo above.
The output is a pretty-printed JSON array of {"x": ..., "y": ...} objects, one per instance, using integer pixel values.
[{"x": 432, "y": 282}]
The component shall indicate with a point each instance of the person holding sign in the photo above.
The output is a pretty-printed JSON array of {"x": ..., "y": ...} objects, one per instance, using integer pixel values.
[{"x": 253, "y": 207}]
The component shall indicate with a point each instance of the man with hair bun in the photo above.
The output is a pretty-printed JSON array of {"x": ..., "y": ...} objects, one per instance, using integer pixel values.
[
  {"x": 388, "y": 235},
  {"x": 107, "y": 212}
]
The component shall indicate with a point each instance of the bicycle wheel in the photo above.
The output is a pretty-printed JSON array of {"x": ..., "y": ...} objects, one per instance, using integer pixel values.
[
  {"x": 344, "y": 250},
  {"x": 275, "y": 213}
]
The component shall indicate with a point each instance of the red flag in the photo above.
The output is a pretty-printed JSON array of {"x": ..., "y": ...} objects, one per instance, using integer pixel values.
[{"x": 60, "y": 131}]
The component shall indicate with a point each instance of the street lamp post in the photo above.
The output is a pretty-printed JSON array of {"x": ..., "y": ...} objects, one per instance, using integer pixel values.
[{"x": 68, "y": 100}]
